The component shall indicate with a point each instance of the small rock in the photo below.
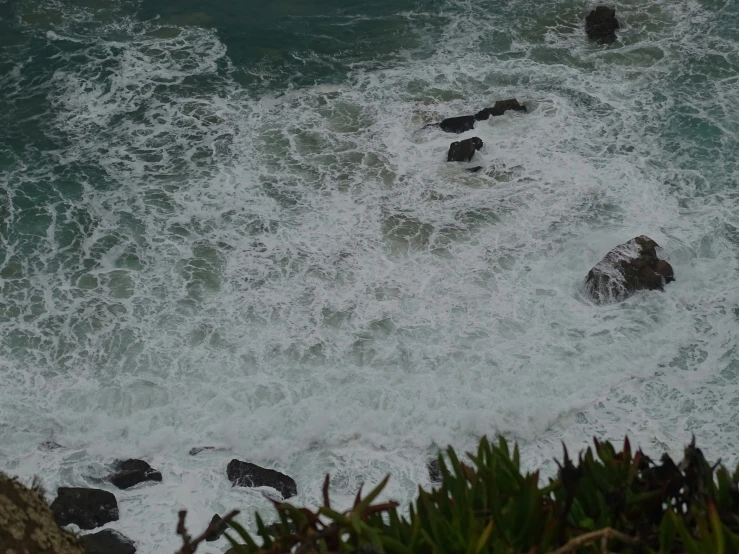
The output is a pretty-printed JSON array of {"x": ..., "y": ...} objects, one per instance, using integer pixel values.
[
  {"x": 132, "y": 472},
  {"x": 601, "y": 24},
  {"x": 474, "y": 169},
  {"x": 50, "y": 445},
  {"x": 463, "y": 150},
  {"x": 86, "y": 508},
  {"x": 217, "y": 520},
  {"x": 638, "y": 264},
  {"x": 458, "y": 124},
  {"x": 245, "y": 474},
  {"x": 107, "y": 542},
  {"x": 434, "y": 468},
  {"x": 499, "y": 108}
]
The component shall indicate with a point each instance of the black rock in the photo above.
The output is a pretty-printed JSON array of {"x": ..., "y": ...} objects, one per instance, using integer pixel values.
[
  {"x": 86, "y": 508},
  {"x": 107, "y": 542},
  {"x": 434, "y": 469},
  {"x": 463, "y": 150},
  {"x": 217, "y": 520},
  {"x": 474, "y": 169},
  {"x": 245, "y": 474},
  {"x": 132, "y": 472},
  {"x": 638, "y": 264},
  {"x": 500, "y": 107},
  {"x": 458, "y": 124},
  {"x": 601, "y": 24}
]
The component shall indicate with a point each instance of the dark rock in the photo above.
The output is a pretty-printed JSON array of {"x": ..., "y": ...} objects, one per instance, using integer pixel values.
[
  {"x": 107, "y": 542},
  {"x": 50, "y": 445},
  {"x": 27, "y": 524},
  {"x": 601, "y": 24},
  {"x": 474, "y": 169},
  {"x": 434, "y": 468},
  {"x": 132, "y": 472},
  {"x": 463, "y": 150},
  {"x": 500, "y": 107},
  {"x": 245, "y": 474},
  {"x": 86, "y": 508},
  {"x": 458, "y": 124},
  {"x": 636, "y": 265},
  {"x": 217, "y": 520},
  {"x": 198, "y": 449}
]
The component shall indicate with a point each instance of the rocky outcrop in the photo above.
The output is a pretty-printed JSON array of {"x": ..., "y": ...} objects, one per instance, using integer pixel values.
[
  {"x": 27, "y": 524},
  {"x": 638, "y": 264},
  {"x": 601, "y": 24},
  {"x": 458, "y": 124},
  {"x": 107, "y": 542},
  {"x": 86, "y": 508},
  {"x": 499, "y": 108},
  {"x": 463, "y": 150},
  {"x": 244, "y": 474},
  {"x": 132, "y": 472}
]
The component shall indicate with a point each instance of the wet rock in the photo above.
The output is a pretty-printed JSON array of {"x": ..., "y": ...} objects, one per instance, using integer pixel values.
[
  {"x": 474, "y": 169},
  {"x": 434, "y": 469},
  {"x": 86, "y": 508},
  {"x": 217, "y": 520},
  {"x": 198, "y": 449},
  {"x": 458, "y": 124},
  {"x": 463, "y": 150},
  {"x": 638, "y": 264},
  {"x": 601, "y": 24},
  {"x": 132, "y": 472},
  {"x": 107, "y": 542},
  {"x": 499, "y": 108},
  {"x": 27, "y": 525},
  {"x": 244, "y": 474},
  {"x": 50, "y": 445}
]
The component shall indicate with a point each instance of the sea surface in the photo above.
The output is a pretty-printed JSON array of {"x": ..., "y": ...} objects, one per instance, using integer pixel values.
[{"x": 224, "y": 224}]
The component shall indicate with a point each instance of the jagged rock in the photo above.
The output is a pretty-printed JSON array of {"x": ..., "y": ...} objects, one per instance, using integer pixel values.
[
  {"x": 198, "y": 449},
  {"x": 132, "y": 472},
  {"x": 107, "y": 542},
  {"x": 434, "y": 469},
  {"x": 244, "y": 474},
  {"x": 638, "y": 264},
  {"x": 499, "y": 108},
  {"x": 458, "y": 124},
  {"x": 217, "y": 520},
  {"x": 463, "y": 150},
  {"x": 601, "y": 24},
  {"x": 50, "y": 445},
  {"x": 27, "y": 524},
  {"x": 86, "y": 508}
]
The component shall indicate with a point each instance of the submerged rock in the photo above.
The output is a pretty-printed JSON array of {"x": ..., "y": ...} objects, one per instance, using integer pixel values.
[
  {"x": 458, "y": 124},
  {"x": 132, "y": 472},
  {"x": 499, "y": 108},
  {"x": 86, "y": 508},
  {"x": 638, "y": 264},
  {"x": 601, "y": 24},
  {"x": 194, "y": 451},
  {"x": 463, "y": 150},
  {"x": 434, "y": 469},
  {"x": 244, "y": 474},
  {"x": 107, "y": 542},
  {"x": 27, "y": 525},
  {"x": 474, "y": 169}
]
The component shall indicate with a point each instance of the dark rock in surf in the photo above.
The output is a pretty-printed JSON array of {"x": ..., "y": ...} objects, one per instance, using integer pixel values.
[
  {"x": 132, "y": 472},
  {"x": 244, "y": 474},
  {"x": 638, "y": 264},
  {"x": 434, "y": 469},
  {"x": 499, "y": 108},
  {"x": 218, "y": 524},
  {"x": 86, "y": 508},
  {"x": 474, "y": 169},
  {"x": 601, "y": 24},
  {"x": 458, "y": 124},
  {"x": 463, "y": 150},
  {"x": 107, "y": 542}
]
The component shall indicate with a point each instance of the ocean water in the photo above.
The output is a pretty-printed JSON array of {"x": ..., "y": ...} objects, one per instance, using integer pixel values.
[{"x": 225, "y": 224}]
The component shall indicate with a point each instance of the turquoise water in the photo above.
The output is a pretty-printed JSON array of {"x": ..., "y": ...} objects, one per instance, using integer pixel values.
[{"x": 226, "y": 225}]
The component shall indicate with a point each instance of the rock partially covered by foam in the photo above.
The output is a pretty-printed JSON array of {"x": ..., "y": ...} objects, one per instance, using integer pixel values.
[
  {"x": 27, "y": 524},
  {"x": 132, "y": 472},
  {"x": 601, "y": 24},
  {"x": 86, "y": 508},
  {"x": 107, "y": 542},
  {"x": 638, "y": 264},
  {"x": 463, "y": 150},
  {"x": 499, "y": 108},
  {"x": 244, "y": 474},
  {"x": 458, "y": 124}
]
